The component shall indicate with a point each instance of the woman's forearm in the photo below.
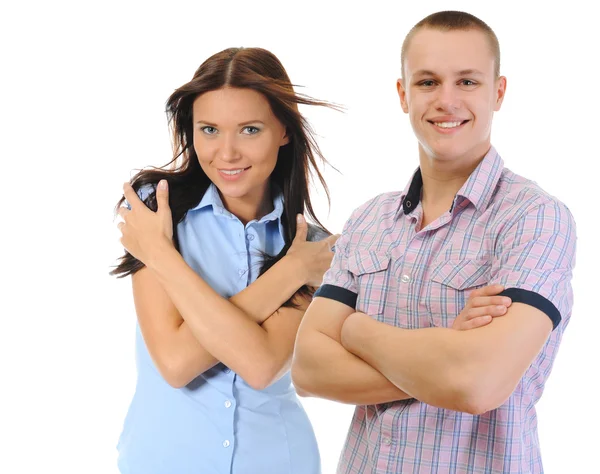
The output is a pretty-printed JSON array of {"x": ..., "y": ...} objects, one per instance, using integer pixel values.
[
  {"x": 225, "y": 331},
  {"x": 270, "y": 291}
]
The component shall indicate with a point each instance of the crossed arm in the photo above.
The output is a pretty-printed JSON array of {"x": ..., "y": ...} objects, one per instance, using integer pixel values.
[
  {"x": 323, "y": 367},
  {"x": 349, "y": 357},
  {"x": 188, "y": 327}
]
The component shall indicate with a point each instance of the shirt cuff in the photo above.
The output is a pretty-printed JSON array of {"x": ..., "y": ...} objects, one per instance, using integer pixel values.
[
  {"x": 337, "y": 293},
  {"x": 517, "y": 295}
]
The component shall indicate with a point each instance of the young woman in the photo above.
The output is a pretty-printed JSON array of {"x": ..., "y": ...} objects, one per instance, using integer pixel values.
[{"x": 223, "y": 266}]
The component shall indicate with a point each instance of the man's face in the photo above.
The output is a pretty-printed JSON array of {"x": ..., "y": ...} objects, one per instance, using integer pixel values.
[{"x": 450, "y": 92}]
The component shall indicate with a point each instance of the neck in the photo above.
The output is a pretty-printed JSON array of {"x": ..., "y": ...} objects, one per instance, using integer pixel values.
[
  {"x": 251, "y": 206},
  {"x": 443, "y": 178}
]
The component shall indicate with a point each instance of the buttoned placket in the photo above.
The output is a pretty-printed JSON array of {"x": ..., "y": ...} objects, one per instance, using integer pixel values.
[{"x": 227, "y": 405}]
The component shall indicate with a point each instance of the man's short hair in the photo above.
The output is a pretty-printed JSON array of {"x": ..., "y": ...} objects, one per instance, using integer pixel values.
[{"x": 452, "y": 21}]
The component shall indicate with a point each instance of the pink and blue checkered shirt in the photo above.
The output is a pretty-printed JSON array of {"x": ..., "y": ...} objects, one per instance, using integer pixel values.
[{"x": 503, "y": 229}]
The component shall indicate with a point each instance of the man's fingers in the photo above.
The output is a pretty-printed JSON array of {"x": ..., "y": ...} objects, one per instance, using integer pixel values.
[
  {"x": 478, "y": 322},
  {"x": 301, "y": 228},
  {"x": 479, "y": 301},
  {"x": 489, "y": 290},
  {"x": 492, "y": 311},
  {"x": 474, "y": 323}
]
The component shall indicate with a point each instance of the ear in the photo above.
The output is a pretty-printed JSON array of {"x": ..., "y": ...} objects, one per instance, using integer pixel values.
[
  {"x": 500, "y": 91},
  {"x": 402, "y": 94},
  {"x": 285, "y": 139}
]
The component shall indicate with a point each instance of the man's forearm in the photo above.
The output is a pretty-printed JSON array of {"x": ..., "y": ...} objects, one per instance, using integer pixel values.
[
  {"x": 472, "y": 371},
  {"x": 323, "y": 368},
  {"x": 427, "y": 363}
]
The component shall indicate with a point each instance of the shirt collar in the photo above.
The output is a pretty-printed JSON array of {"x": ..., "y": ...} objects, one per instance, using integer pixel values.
[
  {"x": 478, "y": 188},
  {"x": 212, "y": 199},
  {"x": 411, "y": 195}
]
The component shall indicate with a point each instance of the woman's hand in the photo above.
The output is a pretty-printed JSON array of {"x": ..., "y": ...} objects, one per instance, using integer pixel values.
[
  {"x": 145, "y": 232},
  {"x": 314, "y": 257},
  {"x": 482, "y": 306}
]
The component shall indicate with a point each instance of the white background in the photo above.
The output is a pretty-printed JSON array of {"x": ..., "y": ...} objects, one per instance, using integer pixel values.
[{"x": 83, "y": 87}]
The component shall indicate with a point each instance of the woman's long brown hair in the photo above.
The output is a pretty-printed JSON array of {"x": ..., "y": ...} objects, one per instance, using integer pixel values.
[{"x": 246, "y": 68}]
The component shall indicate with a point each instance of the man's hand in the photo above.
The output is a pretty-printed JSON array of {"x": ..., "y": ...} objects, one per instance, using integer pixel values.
[{"x": 482, "y": 306}]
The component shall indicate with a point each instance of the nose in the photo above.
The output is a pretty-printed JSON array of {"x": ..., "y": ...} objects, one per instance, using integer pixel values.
[
  {"x": 447, "y": 98},
  {"x": 228, "y": 150}
]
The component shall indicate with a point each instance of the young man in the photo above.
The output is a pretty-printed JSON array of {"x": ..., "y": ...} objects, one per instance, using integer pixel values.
[{"x": 379, "y": 335}]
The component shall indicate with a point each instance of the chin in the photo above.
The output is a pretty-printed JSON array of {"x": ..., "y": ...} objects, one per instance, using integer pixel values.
[
  {"x": 230, "y": 191},
  {"x": 445, "y": 151},
  {"x": 448, "y": 154}
]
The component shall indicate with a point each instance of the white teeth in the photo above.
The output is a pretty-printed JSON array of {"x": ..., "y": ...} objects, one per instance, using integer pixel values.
[
  {"x": 447, "y": 124},
  {"x": 231, "y": 172}
]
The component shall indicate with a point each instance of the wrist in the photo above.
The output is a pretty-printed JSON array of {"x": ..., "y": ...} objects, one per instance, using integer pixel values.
[
  {"x": 296, "y": 269},
  {"x": 162, "y": 253}
]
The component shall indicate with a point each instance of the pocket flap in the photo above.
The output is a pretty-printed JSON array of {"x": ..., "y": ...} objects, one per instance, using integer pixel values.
[
  {"x": 368, "y": 261},
  {"x": 462, "y": 274}
]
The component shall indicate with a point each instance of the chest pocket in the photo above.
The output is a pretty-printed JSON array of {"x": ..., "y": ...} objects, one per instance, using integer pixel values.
[
  {"x": 370, "y": 269},
  {"x": 451, "y": 283}
]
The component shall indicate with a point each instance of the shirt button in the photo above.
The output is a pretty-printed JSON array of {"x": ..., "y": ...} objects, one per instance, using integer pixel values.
[
  {"x": 227, "y": 404},
  {"x": 250, "y": 236},
  {"x": 226, "y": 370},
  {"x": 226, "y": 443},
  {"x": 387, "y": 441},
  {"x": 405, "y": 279}
]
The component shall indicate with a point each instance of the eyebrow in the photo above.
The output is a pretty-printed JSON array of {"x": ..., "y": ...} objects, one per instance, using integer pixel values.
[
  {"x": 464, "y": 72},
  {"x": 470, "y": 72},
  {"x": 210, "y": 124}
]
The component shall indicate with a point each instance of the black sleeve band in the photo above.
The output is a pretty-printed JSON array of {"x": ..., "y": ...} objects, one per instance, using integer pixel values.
[
  {"x": 517, "y": 295},
  {"x": 337, "y": 293}
]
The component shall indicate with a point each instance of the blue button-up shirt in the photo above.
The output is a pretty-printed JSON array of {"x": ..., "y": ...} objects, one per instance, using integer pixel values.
[{"x": 218, "y": 424}]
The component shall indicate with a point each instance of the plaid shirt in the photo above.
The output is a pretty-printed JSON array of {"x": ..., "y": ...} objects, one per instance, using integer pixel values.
[{"x": 501, "y": 228}]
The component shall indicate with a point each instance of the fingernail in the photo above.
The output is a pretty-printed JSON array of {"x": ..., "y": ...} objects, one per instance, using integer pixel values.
[
  {"x": 162, "y": 184},
  {"x": 300, "y": 218},
  {"x": 501, "y": 308},
  {"x": 506, "y": 301}
]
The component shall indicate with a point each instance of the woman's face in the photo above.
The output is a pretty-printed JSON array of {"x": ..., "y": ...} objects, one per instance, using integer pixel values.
[{"x": 237, "y": 140}]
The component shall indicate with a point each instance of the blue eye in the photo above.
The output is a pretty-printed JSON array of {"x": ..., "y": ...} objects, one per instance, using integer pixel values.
[
  {"x": 467, "y": 82},
  {"x": 250, "y": 130},
  {"x": 427, "y": 83},
  {"x": 209, "y": 130}
]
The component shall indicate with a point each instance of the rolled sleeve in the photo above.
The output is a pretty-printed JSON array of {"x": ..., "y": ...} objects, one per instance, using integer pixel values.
[
  {"x": 338, "y": 282},
  {"x": 534, "y": 260}
]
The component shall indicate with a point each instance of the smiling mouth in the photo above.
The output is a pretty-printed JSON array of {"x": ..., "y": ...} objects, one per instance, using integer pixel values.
[
  {"x": 448, "y": 124},
  {"x": 233, "y": 172}
]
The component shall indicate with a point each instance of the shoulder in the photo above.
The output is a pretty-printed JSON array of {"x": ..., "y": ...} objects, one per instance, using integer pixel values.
[
  {"x": 522, "y": 202},
  {"x": 375, "y": 211}
]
